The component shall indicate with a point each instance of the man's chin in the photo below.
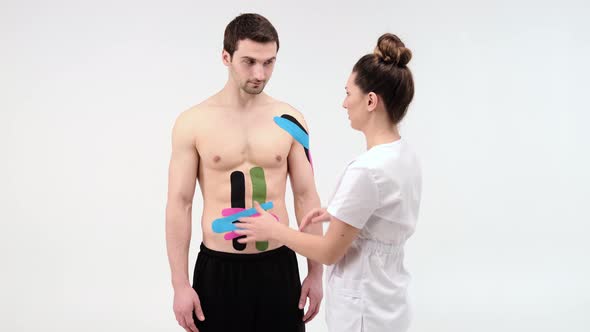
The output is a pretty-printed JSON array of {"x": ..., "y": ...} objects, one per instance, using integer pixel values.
[{"x": 253, "y": 91}]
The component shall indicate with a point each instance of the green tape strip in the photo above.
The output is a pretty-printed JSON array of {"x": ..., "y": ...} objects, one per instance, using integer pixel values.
[{"x": 259, "y": 195}]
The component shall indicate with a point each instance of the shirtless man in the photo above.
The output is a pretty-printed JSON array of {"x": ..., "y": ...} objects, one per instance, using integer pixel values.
[{"x": 240, "y": 144}]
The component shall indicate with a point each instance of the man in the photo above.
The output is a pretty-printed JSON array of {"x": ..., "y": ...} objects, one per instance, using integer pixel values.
[{"x": 240, "y": 144}]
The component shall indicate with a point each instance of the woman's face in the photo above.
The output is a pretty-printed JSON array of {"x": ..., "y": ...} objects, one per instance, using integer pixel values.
[{"x": 355, "y": 104}]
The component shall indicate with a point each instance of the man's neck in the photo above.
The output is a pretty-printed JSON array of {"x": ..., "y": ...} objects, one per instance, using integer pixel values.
[{"x": 233, "y": 96}]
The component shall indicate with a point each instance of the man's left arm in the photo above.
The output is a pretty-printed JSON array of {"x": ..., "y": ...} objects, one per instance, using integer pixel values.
[{"x": 306, "y": 198}]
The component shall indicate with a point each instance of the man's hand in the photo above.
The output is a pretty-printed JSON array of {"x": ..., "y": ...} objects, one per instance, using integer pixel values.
[
  {"x": 312, "y": 289},
  {"x": 314, "y": 216},
  {"x": 185, "y": 301}
]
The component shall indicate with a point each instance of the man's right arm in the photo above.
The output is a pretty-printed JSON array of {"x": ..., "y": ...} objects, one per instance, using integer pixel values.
[{"x": 182, "y": 178}]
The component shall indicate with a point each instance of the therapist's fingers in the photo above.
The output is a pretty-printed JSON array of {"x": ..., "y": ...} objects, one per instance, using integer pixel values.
[
  {"x": 248, "y": 239},
  {"x": 259, "y": 208},
  {"x": 243, "y": 224},
  {"x": 303, "y": 224},
  {"x": 318, "y": 219},
  {"x": 243, "y": 232},
  {"x": 308, "y": 217},
  {"x": 324, "y": 216},
  {"x": 246, "y": 219}
]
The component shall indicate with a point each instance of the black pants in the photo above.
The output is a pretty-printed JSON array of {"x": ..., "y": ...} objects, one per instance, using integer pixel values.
[{"x": 248, "y": 292}]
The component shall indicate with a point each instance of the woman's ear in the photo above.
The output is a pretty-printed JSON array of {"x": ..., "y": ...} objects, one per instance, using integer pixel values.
[{"x": 372, "y": 101}]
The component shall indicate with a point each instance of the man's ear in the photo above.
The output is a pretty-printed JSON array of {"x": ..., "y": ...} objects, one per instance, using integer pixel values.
[{"x": 225, "y": 57}]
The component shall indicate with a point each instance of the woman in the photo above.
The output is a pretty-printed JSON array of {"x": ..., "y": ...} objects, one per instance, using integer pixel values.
[{"x": 374, "y": 208}]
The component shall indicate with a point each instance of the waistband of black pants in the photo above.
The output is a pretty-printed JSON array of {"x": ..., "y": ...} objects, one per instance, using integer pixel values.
[{"x": 282, "y": 250}]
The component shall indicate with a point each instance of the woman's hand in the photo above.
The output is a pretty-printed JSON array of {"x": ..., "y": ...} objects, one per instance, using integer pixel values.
[
  {"x": 314, "y": 216},
  {"x": 261, "y": 228}
]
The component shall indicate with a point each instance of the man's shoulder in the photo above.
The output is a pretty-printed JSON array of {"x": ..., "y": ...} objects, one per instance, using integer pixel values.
[
  {"x": 282, "y": 108},
  {"x": 189, "y": 120},
  {"x": 195, "y": 111}
]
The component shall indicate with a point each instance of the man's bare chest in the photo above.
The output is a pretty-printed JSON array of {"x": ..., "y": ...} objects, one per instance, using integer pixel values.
[{"x": 225, "y": 144}]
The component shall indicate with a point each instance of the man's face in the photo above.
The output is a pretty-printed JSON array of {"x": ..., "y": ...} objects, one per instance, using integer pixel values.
[{"x": 251, "y": 65}]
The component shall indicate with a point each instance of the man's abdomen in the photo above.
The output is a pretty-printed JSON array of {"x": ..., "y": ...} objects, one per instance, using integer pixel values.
[{"x": 234, "y": 198}]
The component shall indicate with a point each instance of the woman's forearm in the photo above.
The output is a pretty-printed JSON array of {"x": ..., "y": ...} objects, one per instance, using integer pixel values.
[
  {"x": 314, "y": 247},
  {"x": 326, "y": 249}
]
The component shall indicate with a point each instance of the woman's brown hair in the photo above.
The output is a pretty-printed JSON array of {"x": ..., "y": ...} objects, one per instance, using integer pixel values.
[{"x": 385, "y": 73}]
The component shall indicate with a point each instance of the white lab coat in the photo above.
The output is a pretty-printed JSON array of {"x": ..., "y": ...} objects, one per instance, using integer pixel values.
[{"x": 379, "y": 193}]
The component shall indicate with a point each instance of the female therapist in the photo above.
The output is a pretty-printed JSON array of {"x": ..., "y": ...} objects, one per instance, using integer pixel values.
[{"x": 374, "y": 208}]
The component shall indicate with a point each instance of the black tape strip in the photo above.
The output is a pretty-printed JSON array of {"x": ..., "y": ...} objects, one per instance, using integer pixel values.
[
  {"x": 292, "y": 119},
  {"x": 238, "y": 200}
]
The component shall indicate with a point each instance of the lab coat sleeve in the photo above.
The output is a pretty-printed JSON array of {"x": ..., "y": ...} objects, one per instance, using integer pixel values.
[{"x": 356, "y": 198}]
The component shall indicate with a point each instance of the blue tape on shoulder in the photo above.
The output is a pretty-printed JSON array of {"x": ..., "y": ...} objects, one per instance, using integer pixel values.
[{"x": 294, "y": 130}]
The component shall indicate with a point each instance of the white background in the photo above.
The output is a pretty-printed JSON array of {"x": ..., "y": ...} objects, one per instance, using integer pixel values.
[{"x": 89, "y": 92}]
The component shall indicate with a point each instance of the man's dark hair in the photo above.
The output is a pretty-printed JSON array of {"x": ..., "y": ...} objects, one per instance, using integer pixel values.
[{"x": 248, "y": 26}]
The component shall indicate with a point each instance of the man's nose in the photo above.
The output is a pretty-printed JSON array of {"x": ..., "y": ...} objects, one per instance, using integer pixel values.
[{"x": 259, "y": 72}]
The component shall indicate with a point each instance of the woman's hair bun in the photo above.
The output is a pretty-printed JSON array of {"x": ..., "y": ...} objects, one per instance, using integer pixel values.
[{"x": 391, "y": 50}]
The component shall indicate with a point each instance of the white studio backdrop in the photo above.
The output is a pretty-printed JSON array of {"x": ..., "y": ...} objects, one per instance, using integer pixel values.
[{"x": 89, "y": 91}]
